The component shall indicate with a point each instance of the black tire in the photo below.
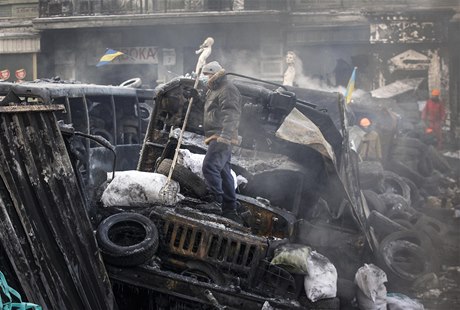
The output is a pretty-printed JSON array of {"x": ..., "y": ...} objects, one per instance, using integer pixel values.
[
  {"x": 408, "y": 225},
  {"x": 396, "y": 202},
  {"x": 189, "y": 181},
  {"x": 403, "y": 170},
  {"x": 431, "y": 185},
  {"x": 410, "y": 143},
  {"x": 370, "y": 173},
  {"x": 415, "y": 197},
  {"x": 374, "y": 202},
  {"x": 411, "y": 164},
  {"x": 406, "y": 255},
  {"x": 203, "y": 272},
  {"x": 437, "y": 226},
  {"x": 393, "y": 183},
  {"x": 406, "y": 152},
  {"x": 425, "y": 166},
  {"x": 382, "y": 225},
  {"x": 439, "y": 162},
  {"x": 127, "y": 239}
]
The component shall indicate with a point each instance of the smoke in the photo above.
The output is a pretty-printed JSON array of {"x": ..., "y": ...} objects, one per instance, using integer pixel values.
[
  {"x": 248, "y": 62},
  {"x": 310, "y": 82},
  {"x": 305, "y": 81},
  {"x": 243, "y": 62}
]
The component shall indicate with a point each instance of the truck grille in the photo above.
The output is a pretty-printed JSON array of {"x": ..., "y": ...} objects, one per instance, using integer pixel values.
[{"x": 210, "y": 242}]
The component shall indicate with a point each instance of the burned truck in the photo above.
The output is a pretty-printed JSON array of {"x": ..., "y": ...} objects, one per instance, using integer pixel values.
[
  {"x": 118, "y": 114},
  {"x": 302, "y": 189}
]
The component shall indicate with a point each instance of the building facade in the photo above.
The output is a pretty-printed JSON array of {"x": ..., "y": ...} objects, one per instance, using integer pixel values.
[{"x": 19, "y": 41}]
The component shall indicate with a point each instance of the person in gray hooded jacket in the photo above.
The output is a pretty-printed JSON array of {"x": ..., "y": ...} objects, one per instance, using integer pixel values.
[{"x": 222, "y": 111}]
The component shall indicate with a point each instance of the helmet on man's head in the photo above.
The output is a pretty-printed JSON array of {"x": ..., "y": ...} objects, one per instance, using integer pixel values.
[
  {"x": 435, "y": 92},
  {"x": 364, "y": 122},
  {"x": 211, "y": 68}
]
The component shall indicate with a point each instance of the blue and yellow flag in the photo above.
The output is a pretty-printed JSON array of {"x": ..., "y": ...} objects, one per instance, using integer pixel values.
[
  {"x": 109, "y": 55},
  {"x": 350, "y": 86}
]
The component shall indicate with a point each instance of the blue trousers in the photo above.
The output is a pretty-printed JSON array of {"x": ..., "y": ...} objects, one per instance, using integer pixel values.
[{"x": 217, "y": 173}]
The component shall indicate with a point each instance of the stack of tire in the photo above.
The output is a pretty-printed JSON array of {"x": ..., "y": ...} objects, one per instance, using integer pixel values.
[
  {"x": 410, "y": 113},
  {"x": 410, "y": 242},
  {"x": 418, "y": 162}
]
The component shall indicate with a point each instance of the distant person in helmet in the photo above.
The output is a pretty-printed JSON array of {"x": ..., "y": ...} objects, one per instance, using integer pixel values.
[
  {"x": 434, "y": 115},
  {"x": 370, "y": 148},
  {"x": 222, "y": 111}
]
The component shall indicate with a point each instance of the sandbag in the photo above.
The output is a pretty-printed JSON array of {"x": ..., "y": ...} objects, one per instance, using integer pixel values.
[
  {"x": 321, "y": 280},
  {"x": 371, "y": 294},
  {"x": 137, "y": 188},
  {"x": 293, "y": 257}
]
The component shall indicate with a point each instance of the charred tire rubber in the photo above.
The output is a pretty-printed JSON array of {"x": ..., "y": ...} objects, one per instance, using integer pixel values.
[
  {"x": 382, "y": 225},
  {"x": 406, "y": 255},
  {"x": 425, "y": 165},
  {"x": 374, "y": 202},
  {"x": 393, "y": 183},
  {"x": 370, "y": 172},
  {"x": 405, "y": 171},
  {"x": 434, "y": 229},
  {"x": 127, "y": 239},
  {"x": 438, "y": 161},
  {"x": 408, "y": 142},
  {"x": 188, "y": 180},
  {"x": 415, "y": 197},
  {"x": 406, "y": 152}
]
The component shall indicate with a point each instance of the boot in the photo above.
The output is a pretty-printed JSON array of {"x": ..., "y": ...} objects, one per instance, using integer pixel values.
[
  {"x": 231, "y": 214},
  {"x": 210, "y": 207}
]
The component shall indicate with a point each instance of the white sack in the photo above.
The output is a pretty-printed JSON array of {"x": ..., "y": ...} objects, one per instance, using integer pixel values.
[
  {"x": 371, "y": 292},
  {"x": 321, "y": 281},
  {"x": 194, "y": 162},
  {"x": 138, "y": 188}
]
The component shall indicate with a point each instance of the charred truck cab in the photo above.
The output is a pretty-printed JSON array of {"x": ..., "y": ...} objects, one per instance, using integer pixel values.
[
  {"x": 302, "y": 189},
  {"x": 118, "y": 114}
]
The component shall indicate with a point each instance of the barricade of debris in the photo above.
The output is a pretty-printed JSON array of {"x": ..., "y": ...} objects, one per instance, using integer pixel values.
[
  {"x": 413, "y": 193},
  {"x": 311, "y": 238}
]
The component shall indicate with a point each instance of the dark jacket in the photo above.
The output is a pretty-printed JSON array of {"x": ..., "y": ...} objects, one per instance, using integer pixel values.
[{"x": 222, "y": 109}]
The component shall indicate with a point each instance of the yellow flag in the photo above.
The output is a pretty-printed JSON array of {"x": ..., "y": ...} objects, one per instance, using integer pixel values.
[{"x": 350, "y": 86}]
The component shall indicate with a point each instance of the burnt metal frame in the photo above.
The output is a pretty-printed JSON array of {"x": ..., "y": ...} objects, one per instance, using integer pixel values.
[{"x": 188, "y": 288}]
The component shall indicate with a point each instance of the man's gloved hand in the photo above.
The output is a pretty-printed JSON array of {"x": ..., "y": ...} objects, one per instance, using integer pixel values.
[
  {"x": 191, "y": 93},
  {"x": 224, "y": 140}
]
